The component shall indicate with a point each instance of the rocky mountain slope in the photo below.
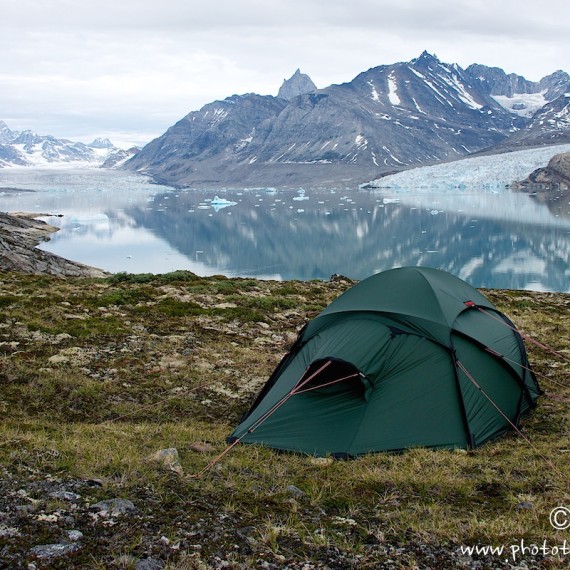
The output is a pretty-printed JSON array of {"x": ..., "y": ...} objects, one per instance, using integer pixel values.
[
  {"x": 388, "y": 118},
  {"x": 549, "y": 125},
  {"x": 26, "y": 148}
]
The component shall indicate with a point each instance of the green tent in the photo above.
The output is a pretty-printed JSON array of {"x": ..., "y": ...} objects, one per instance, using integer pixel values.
[{"x": 411, "y": 357}]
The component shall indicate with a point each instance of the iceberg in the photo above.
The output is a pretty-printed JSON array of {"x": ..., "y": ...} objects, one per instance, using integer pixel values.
[{"x": 219, "y": 203}]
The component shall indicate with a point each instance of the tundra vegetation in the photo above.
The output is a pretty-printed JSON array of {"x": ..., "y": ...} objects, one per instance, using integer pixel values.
[{"x": 98, "y": 377}]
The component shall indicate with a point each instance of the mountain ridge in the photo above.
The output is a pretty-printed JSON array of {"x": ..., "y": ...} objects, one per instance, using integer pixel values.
[
  {"x": 27, "y": 148},
  {"x": 390, "y": 117}
]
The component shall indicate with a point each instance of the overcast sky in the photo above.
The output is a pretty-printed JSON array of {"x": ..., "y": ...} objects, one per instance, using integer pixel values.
[{"x": 128, "y": 69}]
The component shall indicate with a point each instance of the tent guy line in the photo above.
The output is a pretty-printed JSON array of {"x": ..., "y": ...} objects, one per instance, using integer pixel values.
[
  {"x": 219, "y": 457},
  {"x": 546, "y": 459},
  {"x": 260, "y": 421},
  {"x": 528, "y": 337}
]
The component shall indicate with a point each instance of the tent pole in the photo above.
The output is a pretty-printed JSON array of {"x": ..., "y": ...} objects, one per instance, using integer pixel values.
[
  {"x": 260, "y": 420},
  {"x": 515, "y": 427}
]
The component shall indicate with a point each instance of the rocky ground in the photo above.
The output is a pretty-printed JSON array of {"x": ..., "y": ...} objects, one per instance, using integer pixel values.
[{"x": 62, "y": 523}]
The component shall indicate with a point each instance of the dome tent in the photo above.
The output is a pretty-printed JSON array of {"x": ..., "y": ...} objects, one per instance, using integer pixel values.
[{"x": 411, "y": 357}]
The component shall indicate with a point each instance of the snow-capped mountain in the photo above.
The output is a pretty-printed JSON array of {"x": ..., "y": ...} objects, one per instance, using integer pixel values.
[
  {"x": 549, "y": 125},
  {"x": 544, "y": 104},
  {"x": 388, "y": 118},
  {"x": 27, "y": 148}
]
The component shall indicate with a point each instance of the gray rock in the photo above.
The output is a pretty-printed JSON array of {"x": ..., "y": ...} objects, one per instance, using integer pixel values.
[
  {"x": 48, "y": 552},
  {"x": 497, "y": 82},
  {"x": 74, "y": 535},
  {"x": 115, "y": 507},
  {"x": 169, "y": 459},
  {"x": 6, "y": 531},
  {"x": 295, "y": 491},
  {"x": 65, "y": 496},
  {"x": 19, "y": 236},
  {"x": 298, "y": 84},
  {"x": 247, "y": 533},
  {"x": 555, "y": 175}
]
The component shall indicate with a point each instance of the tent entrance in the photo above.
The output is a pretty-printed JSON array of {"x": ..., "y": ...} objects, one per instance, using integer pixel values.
[{"x": 331, "y": 376}]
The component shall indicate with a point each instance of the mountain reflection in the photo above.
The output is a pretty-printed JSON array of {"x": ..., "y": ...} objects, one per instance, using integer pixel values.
[{"x": 502, "y": 241}]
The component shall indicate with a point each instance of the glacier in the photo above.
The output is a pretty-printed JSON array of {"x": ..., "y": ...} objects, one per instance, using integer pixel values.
[{"x": 494, "y": 172}]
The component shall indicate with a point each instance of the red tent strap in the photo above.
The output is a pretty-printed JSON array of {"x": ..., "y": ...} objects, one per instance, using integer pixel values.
[
  {"x": 355, "y": 375},
  {"x": 296, "y": 390},
  {"x": 524, "y": 335}
]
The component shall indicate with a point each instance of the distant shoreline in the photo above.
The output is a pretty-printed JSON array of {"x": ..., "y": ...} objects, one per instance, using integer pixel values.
[{"x": 14, "y": 190}]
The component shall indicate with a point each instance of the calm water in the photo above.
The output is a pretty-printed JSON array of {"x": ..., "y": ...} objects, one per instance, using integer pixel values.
[{"x": 122, "y": 222}]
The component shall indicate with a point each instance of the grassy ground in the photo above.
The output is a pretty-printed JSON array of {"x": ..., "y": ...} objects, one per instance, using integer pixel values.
[{"x": 96, "y": 376}]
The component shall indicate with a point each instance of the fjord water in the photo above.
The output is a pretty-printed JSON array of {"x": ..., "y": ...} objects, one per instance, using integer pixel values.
[{"x": 122, "y": 222}]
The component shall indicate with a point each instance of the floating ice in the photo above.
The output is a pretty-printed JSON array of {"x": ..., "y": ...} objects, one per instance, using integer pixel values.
[{"x": 219, "y": 203}]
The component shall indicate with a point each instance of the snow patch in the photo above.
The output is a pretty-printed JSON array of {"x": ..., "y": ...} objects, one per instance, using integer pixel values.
[
  {"x": 463, "y": 94},
  {"x": 360, "y": 142},
  {"x": 393, "y": 90},
  {"x": 219, "y": 114},
  {"x": 418, "y": 107},
  {"x": 420, "y": 75},
  {"x": 523, "y": 104},
  {"x": 375, "y": 96},
  {"x": 389, "y": 153},
  {"x": 243, "y": 143},
  {"x": 439, "y": 95}
]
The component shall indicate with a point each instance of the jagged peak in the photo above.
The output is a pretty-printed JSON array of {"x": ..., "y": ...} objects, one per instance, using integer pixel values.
[
  {"x": 298, "y": 84},
  {"x": 6, "y": 135},
  {"x": 426, "y": 57}
]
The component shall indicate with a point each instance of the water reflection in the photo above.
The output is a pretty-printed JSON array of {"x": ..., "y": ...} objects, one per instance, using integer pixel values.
[
  {"x": 491, "y": 240},
  {"x": 121, "y": 222}
]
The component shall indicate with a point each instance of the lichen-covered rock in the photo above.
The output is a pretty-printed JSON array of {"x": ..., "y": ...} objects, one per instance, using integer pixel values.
[
  {"x": 47, "y": 552},
  {"x": 115, "y": 507},
  {"x": 169, "y": 459}
]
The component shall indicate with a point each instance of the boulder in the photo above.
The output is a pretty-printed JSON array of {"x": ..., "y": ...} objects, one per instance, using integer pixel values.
[{"x": 556, "y": 175}]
